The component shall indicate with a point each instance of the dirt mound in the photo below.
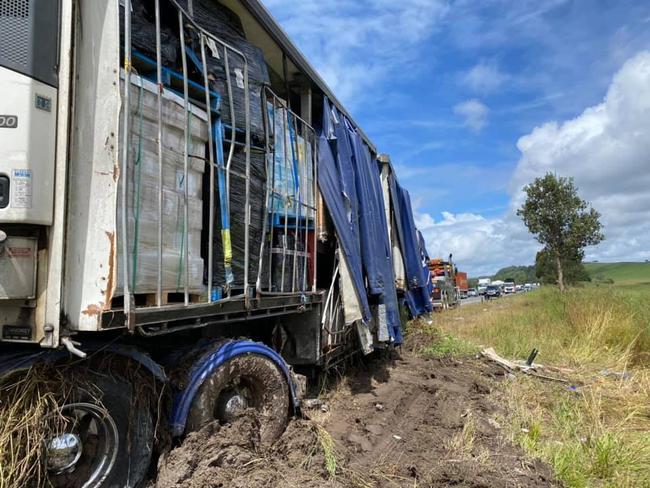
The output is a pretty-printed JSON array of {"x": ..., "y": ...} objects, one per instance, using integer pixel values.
[
  {"x": 409, "y": 422},
  {"x": 232, "y": 456}
]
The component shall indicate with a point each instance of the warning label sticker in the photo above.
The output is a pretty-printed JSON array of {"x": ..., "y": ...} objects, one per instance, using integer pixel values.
[
  {"x": 21, "y": 188},
  {"x": 239, "y": 78},
  {"x": 19, "y": 252}
]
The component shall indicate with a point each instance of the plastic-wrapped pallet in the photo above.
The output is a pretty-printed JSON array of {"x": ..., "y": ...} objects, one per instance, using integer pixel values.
[
  {"x": 306, "y": 176},
  {"x": 143, "y": 33},
  {"x": 257, "y": 192},
  {"x": 226, "y": 26},
  {"x": 143, "y": 191},
  {"x": 292, "y": 173}
]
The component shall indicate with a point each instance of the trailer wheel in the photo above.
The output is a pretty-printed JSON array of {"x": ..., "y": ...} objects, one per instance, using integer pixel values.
[
  {"x": 103, "y": 441},
  {"x": 243, "y": 382}
]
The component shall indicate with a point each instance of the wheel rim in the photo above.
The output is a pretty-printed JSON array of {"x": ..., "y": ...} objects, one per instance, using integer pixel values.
[
  {"x": 84, "y": 450},
  {"x": 233, "y": 402}
]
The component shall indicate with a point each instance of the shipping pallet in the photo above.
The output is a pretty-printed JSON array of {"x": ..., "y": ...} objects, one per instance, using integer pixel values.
[
  {"x": 278, "y": 220},
  {"x": 173, "y": 81},
  {"x": 168, "y": 298}
]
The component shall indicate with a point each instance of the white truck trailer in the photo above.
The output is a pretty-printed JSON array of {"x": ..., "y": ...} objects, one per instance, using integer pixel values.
[{"x": 167, "y": 206}]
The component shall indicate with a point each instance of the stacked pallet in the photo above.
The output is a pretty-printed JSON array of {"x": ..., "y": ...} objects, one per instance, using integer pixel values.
[{"x": 143, "y": 192}]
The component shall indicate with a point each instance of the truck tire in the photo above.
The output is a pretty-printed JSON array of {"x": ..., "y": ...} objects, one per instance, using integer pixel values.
[
  {"x": 243, "y": 382},
  {"x": 106, "y": 441}
]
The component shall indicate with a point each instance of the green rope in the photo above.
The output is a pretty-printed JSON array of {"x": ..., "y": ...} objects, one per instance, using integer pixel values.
[
  {"x": 180, "y": 263},
  {"x": 138, "y": 161}
]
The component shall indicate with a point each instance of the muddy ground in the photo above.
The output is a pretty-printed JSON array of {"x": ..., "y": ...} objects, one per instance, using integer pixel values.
[{"x": 404, "y": 422}]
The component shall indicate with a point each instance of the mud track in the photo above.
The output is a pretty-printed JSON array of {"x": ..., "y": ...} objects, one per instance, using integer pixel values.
[{"x": 409, "y": 422}]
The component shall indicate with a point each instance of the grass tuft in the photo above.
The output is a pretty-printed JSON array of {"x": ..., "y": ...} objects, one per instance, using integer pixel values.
[
  {"x": 327, "y": 445},
  {"x": 448, "y": 345}
]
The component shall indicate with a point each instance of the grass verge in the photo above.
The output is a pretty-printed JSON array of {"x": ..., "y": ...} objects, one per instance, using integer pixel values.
[{"x": 595, "y": 430}]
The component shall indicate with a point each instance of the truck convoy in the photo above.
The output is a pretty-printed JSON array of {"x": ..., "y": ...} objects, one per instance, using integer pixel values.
[{"x": 181, "y": 194}]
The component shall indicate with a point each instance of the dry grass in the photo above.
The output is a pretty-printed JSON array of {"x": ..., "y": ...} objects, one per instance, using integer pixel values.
[
  {"x": 595, "y": 431},
  {"x": 26, "y": 419},
  {"x": 30, "y": 415}
]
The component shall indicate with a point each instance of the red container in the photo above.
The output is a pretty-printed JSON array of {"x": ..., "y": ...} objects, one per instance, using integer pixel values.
[{"x": 461, "y": 280}]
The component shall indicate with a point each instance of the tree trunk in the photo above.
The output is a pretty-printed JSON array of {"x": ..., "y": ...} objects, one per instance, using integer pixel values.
[{"x": 560, "y": 273}]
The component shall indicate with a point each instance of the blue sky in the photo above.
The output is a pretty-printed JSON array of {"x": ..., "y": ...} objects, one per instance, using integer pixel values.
[{"x": 473, "y": 99}]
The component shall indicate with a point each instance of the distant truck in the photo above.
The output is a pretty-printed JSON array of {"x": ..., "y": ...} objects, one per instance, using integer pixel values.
[
  {"x": 446, "y": 293},
  {"x": 483, "y": 283}
]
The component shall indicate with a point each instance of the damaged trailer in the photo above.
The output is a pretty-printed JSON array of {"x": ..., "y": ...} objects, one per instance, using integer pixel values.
[{"x": 182, "y": 194}]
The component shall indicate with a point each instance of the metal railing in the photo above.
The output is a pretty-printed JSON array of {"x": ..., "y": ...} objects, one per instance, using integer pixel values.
[
  {"x": 295, "y": 132},
  {"x": 298, "y": 215},
  {"x": 184, "y": 19}
]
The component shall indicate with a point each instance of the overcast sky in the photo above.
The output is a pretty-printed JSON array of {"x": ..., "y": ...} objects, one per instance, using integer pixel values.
[{"x": 473, "y": 99}]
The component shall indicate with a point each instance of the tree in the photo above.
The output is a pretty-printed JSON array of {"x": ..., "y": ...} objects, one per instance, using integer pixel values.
[
  {"x": 572, "y": 268},
  {"x": 560, "y": 219}
]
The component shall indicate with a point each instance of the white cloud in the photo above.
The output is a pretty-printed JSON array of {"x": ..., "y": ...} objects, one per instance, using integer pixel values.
[
  {"x": 606, "y": 149},
  {"x": 484, "y": 77},
  {"x": 479, "y": 245},
  {"x": 353, "y": 45},
  {"x": 474, "y": 114}
]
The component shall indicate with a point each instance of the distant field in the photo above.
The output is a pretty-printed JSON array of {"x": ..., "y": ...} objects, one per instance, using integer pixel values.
[{"x": 621, "y": 273}]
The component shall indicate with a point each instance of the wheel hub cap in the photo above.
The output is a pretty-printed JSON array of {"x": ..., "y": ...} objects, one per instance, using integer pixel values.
[
  {"x": 231, "y": 405},
  {"x": 63, "y": 452}
]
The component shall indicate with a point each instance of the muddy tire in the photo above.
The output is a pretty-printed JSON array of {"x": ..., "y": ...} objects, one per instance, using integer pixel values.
[
  {"x": 112, "y": 432},
  {"x": 243, "y": 382}
]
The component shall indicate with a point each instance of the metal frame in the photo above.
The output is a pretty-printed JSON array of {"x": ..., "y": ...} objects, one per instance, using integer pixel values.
[
  {"x": 290, "y": 126},
  {"x": 137, "y": 316},
  {"x": 163, "y": 320},
  {"x": 183, "y": 18}
]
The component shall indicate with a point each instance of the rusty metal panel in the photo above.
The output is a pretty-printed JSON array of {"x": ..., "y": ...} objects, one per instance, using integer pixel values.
[{"x": 91, "y": 253}]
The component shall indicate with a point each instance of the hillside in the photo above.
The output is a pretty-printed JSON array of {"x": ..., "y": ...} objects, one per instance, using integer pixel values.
[
  {"x": 521, "y": 274},
  {"x": 621, "y": 273}
]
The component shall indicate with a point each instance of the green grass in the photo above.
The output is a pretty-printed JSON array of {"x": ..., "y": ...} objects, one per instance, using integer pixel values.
[
  {"x": 448, "y": 345},
  {"x": 595, "y": 430},
  {"x": 620, "y": 273}
]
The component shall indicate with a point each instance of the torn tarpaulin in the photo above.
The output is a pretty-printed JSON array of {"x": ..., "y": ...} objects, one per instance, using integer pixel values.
[
  {"x": 350, "y": 183},
  {"x": 417, "y": 283}
]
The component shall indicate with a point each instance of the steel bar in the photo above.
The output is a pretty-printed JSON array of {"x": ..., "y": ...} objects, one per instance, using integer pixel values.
[
  {"x": 206, "y": 87},
  {"x": 297, "y": 201},
  {"x": 272, "y": 216},
  {"x": 124, "y": 174},
  {"x": 185, "y": 161},
  {"x": 306, "y": 164},
  {"x": 317, "y": 201},
  {"x": 265, "y": 211},
  {"x": 160, "y": 155},
  {"x": 233, "y": 122},
  {"x": 286, "y": 187},
  {"x": 247, "y": 211}
]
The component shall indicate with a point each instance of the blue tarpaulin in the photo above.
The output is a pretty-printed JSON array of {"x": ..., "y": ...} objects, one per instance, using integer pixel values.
[
  {"x": 336, "y": 183},
  {"x": 376, "y": 252},
  {"x": 426, "y": 258},
  {"x": 417, "y": 281},
  {"x": 351, "y": 186}
]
